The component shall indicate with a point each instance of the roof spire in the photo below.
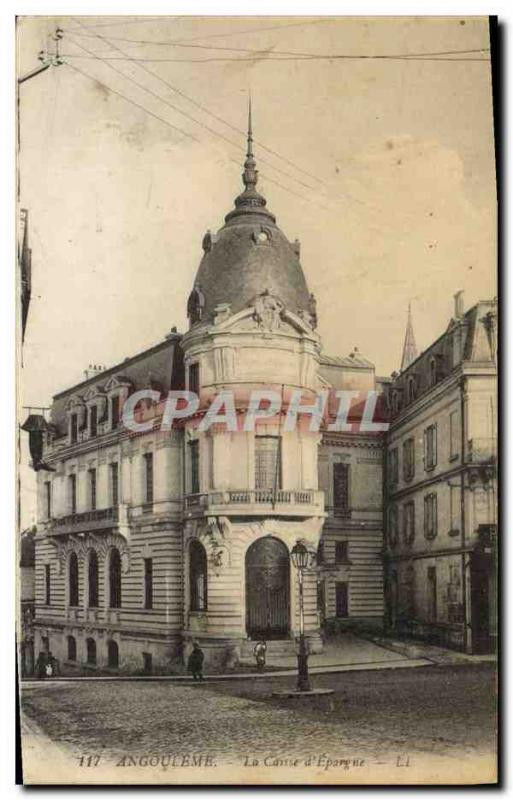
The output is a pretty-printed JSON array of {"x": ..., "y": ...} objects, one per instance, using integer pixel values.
[
  {"x": 250, "y": 130},
  {"x": 250, "y": 174},
  {"x": 250, "y": 201},
  {"x": 409, "y": 348}
]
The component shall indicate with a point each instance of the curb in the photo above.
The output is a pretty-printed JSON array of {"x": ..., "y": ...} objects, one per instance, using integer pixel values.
[{"x": 399, "y": 663}]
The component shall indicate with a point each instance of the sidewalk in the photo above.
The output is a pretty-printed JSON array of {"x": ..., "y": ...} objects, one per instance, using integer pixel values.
[
  {"x": 346, "y": 653},
  {"x": 415, "y": 649}
]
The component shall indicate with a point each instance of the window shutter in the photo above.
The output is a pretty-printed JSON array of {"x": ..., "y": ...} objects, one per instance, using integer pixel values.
[{"x": 435, "y": 452}]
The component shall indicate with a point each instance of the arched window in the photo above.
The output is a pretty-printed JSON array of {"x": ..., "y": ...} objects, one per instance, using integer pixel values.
[
  {"x": 112, "y": 653},
  {"x": 198, "y": 576},
  {"x": 72, "y": 648},
  {"x": 92, "y": 579},
  {"x": 114, "y": 579},
  {"x": 91, "y": 651},
  {"x": 73, "y": 579}
]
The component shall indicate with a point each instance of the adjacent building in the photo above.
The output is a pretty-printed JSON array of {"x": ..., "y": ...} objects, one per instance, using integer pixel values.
[{"x": 441, "y": 485}]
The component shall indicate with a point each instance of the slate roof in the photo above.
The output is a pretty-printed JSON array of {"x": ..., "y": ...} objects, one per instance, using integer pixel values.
[{"x": 162, "y": 364}]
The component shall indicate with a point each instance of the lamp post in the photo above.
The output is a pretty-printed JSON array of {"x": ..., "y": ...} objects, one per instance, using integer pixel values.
[{"x": 301, "y": 558}]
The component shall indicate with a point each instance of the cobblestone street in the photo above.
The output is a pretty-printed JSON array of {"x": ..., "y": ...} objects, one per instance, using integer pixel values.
[{"x": 443, "y": 712}]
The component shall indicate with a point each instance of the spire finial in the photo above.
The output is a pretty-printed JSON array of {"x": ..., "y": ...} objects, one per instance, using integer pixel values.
[
  {"x": 409, "y": 348},
  {"x": 250, "y": 201},
  {"x": 250, "y": 130},
  {"x": 250, "y": 174}
]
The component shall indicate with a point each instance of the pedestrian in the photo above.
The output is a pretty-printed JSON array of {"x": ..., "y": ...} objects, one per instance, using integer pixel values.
[
  {"x": 195, "y": 663},
  {"x": 40, "y": 666},
  {"x": 259, "y": 653},
  {"x": 52, "y": 665}
]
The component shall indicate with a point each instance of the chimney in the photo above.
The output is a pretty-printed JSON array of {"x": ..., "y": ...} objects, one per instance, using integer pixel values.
[
  {"x": 458, "y": 304},
  {"x": 92, "y": 370}
]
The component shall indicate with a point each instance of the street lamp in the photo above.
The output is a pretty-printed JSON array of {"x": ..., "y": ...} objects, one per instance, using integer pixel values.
[{"x": 301, "y": 559}]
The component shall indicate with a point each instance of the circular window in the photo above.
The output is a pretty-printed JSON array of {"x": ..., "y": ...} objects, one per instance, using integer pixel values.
[{"x": 263, "y": 236}]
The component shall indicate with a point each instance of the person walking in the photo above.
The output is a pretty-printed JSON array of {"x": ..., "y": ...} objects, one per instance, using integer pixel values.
[
  {"x": 259, "y": 653},
  {"x": 40, "y": 666},
  {"x": 195, "y": 663}
]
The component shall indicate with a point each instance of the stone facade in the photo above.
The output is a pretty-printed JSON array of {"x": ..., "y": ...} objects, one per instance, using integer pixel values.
[
  {"x": 149, "y": 540},
  {"x": 441, "y": 487}
]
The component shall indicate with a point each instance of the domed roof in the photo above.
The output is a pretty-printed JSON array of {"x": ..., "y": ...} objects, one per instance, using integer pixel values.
[{"x": 248, "y": 256}]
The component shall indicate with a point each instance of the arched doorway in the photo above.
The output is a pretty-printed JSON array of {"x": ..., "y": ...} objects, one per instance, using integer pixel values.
[
  {"x": 267, "y": 589},
  {"x": 112, "y": 653},
  {"x": 91, "y": 651}
]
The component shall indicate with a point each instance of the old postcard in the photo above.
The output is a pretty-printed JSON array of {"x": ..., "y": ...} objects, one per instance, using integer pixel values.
[{"x": 257, "y": 400}]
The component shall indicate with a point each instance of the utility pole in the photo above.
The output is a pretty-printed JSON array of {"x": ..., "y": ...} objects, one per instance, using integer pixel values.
[{"x": 23, "y": 272}]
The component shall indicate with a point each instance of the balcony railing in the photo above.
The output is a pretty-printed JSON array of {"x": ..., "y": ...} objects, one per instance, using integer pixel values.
[
  {"x": 86, "y": 521},
  {"x": 260, "y": 500}
]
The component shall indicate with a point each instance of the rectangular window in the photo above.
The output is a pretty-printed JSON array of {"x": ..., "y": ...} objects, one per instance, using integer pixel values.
[
  {"x": 267, "y": 463},
  {"x": 432, "y": 600},
  {"x": 114, "y": 484},
  {"x": 341, "y": 599},
  {"x": 114, "y": 412},
  {"x": 430, "y": 516},
  {"x": 455, "y": 510},
  {"x": 430, "y": 447},
  {"x": 194, "y": 378},
  {"x": 48, "y": 585},
  {"x": 341, "y": 552},
  {"x": 340, "y": 489},
  {"x": 48, "y": 499},
  {"x": 194, "y": 467},
  {"x": 409, "y": 458},
  {"x": 409, "y": 522},
  {"x": 93, "y": 420},
  {"x": 454, "y": 434},
  {"x": 393, "y": 466},
  {"x": 73, "y": 493},
  {"x": 74, "y": 428},
  {"x": 92, "y": 489},
  {"x": 148, "y": 477},
  {"x": 148, "y": 583}
]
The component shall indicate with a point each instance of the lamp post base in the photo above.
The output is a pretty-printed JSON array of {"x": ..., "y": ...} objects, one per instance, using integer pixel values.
[{"x": 303, "y": 679}]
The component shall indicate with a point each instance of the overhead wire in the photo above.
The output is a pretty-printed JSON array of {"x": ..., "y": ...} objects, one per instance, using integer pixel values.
[
  {"x": 166, "y": 122},
  {"x": 271, "y": 49},
  {"x": 264, "y": 56},
  {"x": 346, "y": 195},
  {"x": 206, "y": 110},
  {"x": 202, "y": 124},
  {"x": 134, "y": 102}
]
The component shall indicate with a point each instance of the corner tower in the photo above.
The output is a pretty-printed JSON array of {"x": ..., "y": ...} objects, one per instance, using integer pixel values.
[{"x": 250, "y": 494}]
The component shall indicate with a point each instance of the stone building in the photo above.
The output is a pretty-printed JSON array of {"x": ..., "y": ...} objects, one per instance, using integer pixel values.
[
  {"x": 149, "y": 540},
  {"x": 26, "y": 597},
  {"x": 441, "y": 485}
]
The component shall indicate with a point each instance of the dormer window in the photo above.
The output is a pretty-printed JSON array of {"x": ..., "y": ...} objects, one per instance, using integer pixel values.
[
  {"x": 114, "y": 412},
  {"x": 74, "y": 428},
  {"x": 93, "y": 420}
]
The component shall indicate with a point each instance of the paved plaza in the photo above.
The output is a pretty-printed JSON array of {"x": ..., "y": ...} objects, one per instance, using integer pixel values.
[{"x": 380, "y": 718}]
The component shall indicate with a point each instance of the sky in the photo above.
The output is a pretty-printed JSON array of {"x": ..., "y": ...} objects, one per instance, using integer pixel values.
[{"x": 384, "y": 169}]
